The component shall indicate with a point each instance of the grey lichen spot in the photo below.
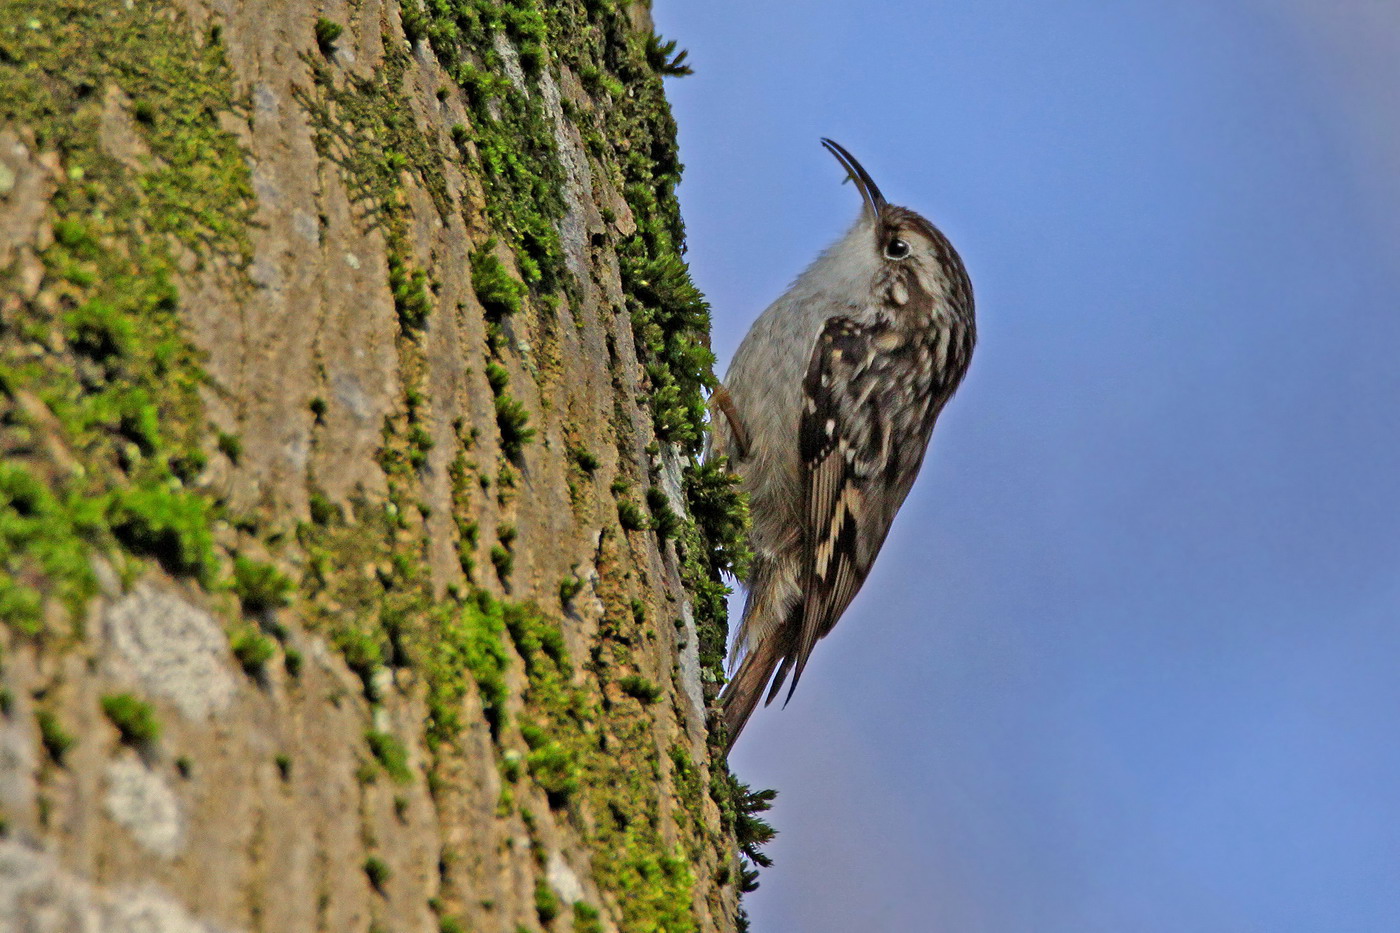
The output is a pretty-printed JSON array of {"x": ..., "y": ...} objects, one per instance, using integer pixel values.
[
  {"x": 37, "y": 895},
  {"x": 578, "y": 181},
  {"x": 176, "y": 650},
  {"x": 139, "y": 799},
  {"x": 266, "y": 104},
  {"x": 306, "y": 226},
  {"x": 690, "y": 666},
  {"x": 350, "y": 395},
  {"x": 510, "y": 63},
  {"x": 562, "y": 879},
  {"x": 18, "y": 764}
]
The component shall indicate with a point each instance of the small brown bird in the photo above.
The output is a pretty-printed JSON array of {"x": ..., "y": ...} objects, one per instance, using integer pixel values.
[{"x": 825, "y": 414}]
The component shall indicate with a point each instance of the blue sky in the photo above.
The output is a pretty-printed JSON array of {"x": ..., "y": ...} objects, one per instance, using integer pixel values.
[{"x": 1130, "y": 660}]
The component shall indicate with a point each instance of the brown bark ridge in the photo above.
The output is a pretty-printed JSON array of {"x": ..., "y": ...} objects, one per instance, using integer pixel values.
[{"x": 357, "y": 569}]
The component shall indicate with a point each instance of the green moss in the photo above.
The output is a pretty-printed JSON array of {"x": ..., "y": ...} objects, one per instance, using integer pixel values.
[
  {"x": 586, "y": 461},
  {"x": 662, "y": 55},
  {"x": 497, "y": 376},
  {"x": 43, "y": 548},
  {"x": 166, "y": 523},
  {"x": 327, "y": 32},
  {"x": 552, "y": 764},
  {"x": 259, "y": 586},
  {"x": 469, "y": 644},
  {"x": 391, "y": 754},
  {"x": 410, "y": 291},
  {"x": 134, "y": 718},
  {"x": 587, "y": 919},
  {"x": 498, "y": 292},
  {"x": 751, "y": 831},
  {"x": 419, "y": 443},
  {"x": 503, "y": 560},
  {"x": 57, "y": 741},
  {"x": 631, "y": 516},
  {"x": 639, "y": 687},
  {"x": 253, "y": 650},
  {"x": 323, "y": 510},
  {"x": 513, "y": 422},
  {"x": 663, "y": 519},
  {"x": 378, "y": 873},
  {"x": 546, "y": 902},
  {"x": 229, "y": 445}
]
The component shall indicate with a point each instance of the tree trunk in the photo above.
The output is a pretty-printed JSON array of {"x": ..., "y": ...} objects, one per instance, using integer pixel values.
[{"x": 356, "y": 568}]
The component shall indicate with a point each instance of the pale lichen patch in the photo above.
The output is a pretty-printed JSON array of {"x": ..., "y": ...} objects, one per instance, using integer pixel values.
[
  {"x": 175, "y": 650},
  {"x": 139, "y": 799}
]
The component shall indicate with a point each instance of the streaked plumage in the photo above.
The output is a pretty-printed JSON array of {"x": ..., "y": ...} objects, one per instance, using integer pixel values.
[{"x": 825, "y": 413}]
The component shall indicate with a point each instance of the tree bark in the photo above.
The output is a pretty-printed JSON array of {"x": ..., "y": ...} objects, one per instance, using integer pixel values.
[{"x": 357, "y": 569}]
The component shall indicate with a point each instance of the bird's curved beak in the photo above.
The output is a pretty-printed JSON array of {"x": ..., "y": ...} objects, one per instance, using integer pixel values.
[{"x": 868, "y": 189}]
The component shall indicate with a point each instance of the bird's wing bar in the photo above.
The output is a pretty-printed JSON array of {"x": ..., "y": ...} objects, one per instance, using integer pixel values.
[{"x": 844, "y": 444}]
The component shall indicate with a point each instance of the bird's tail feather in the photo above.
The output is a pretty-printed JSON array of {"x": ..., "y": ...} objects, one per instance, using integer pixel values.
[{"x": 742, "y": 695}]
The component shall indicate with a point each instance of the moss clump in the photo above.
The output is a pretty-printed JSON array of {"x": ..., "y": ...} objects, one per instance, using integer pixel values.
[
  {"x": 546, "y": 902},
  {"x": 420, "y": 442},
  {"x": 630, "y": 516},
  {"x": 253, "y": 650},
  {"x": 57, "y": 741},
  {"x": 410, "y": 291},
  {"x": 230, "y": 445},
  {"x": 391, "y": 754},
  {"x": 503, "y": 560},
  {"x": 259, "y": 586},
  {"x": 586, "y": 461},
  {"x": 498, "y": 291},
  {"x": 323, "y": 510},
  {"x": 134, "y": 718},
  {"x": 327, "y": 32},
  {"x": 751, "y": 831},
  {"x": 469, "y": 643},
  {"x": 42, "y": 549},
  {"x": 587, "y": 918},
  {"x": 661, "y": 54},
  {"x": 378, "y": 872},
  {"x": 553, "y": 765},
  {"x": 664, "y": 520},
  {"x": 640, "y": 688},
  {"x": 168, "y": 524},
  {"x": 670, "y": 321}
]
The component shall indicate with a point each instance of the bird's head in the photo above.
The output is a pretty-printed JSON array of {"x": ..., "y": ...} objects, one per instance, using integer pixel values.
[{"x": 907, "y": 250}]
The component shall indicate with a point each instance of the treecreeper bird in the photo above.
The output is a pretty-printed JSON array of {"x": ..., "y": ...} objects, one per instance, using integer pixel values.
[{"x": 825, "y": 414}]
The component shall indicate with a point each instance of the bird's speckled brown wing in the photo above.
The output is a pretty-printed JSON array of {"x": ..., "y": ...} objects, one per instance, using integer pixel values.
[{"x": 845, "y": 445}]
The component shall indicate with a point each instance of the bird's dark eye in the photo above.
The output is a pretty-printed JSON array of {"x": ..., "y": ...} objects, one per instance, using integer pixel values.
[{"x": 896, "y": 248}]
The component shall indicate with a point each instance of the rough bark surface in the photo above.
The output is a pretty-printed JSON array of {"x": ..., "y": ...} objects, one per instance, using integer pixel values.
[{"x": 356, "y": 570}]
